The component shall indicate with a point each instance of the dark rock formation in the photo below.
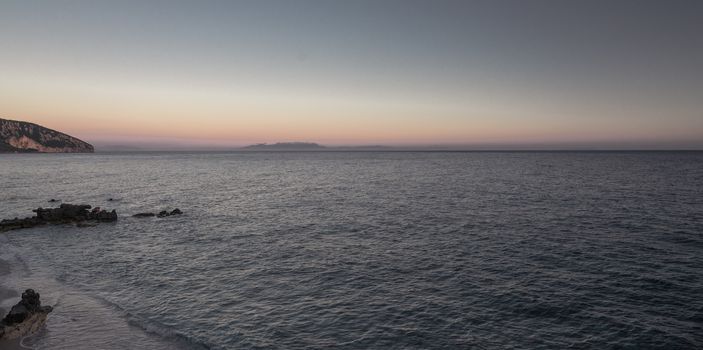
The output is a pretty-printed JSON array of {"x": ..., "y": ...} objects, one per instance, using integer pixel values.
[
  {"x": 64, "y": 214},
  {"x": 16, "y": 223},
  {"x": 143, "y": 215},
  {"x": 103, "y": 215},
  {"x": 18, "y": 136},
  {"x": 165, "y": 213},
  {"x": 25, "y": 317}
]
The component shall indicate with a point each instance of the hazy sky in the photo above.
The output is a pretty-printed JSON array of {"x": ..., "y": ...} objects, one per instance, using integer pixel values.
[{"x": 357, "y": 72}]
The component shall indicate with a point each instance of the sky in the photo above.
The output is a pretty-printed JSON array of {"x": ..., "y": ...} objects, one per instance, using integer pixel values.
[{"x": 616, "y": 73}]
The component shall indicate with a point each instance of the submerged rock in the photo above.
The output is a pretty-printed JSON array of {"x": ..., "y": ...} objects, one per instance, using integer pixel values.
[
  {"x": 64, "y": 214},
  {"x": 104, "y": 216},
  {"x": 25, "y": 317},
  {"x": 161, "y": 214},
  {"x": 165, "y": 213},
  {"x": 16, "y": 223}
]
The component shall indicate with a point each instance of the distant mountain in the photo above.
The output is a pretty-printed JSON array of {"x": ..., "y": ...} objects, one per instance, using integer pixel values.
[
  {"x": 18, "y": 136},
  {"x": 311, "y": 146},
  {"x": 286, "y": 146}
]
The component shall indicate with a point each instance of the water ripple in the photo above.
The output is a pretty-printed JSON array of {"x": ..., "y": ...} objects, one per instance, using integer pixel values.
[{"x": 381, "y": 250}]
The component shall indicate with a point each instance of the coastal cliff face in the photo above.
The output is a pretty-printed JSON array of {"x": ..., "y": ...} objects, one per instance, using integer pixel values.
[{"x": 18, "y": 136}]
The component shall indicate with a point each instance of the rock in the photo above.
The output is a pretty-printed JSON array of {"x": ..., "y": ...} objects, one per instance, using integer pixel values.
[
  {"x": 64, "y": 214},
  {"x": 18, "y": 314},
  {"x": 52, "y": 200},
  {"x": 29, "y": 303},
  {"x": 74, "y": 212},
  {"x": 161, "y": 214},
  {"x": 165, "y": 213},
  {"x": 105, "y": 216},
  {"x": 25, "y": 317},
  {"x": 14, "y": 224}
]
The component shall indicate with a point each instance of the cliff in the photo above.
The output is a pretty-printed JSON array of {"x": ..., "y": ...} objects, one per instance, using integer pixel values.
[{"x": 17, "y": 136}]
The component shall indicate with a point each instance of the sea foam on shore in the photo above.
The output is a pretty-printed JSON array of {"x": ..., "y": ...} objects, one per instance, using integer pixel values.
[{"x": 79, "y": 320}]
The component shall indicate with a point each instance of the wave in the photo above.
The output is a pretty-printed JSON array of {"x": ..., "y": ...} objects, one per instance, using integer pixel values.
[{"x": 154, "y": 327}]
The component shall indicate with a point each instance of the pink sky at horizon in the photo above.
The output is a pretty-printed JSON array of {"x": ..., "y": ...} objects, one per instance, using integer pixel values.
[
  {"x": 112, "y": 112},
  {"x": 181, "y": 134}
]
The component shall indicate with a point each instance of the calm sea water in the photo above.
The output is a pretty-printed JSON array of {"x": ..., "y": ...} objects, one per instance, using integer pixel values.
[{"x": 364, "y": 250}]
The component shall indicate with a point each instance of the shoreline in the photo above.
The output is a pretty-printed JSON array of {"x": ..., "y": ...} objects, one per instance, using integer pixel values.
[{"x": 79, "y": 319}]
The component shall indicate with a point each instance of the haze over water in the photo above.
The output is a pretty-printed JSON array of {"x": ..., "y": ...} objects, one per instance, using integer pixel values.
[{"x": 365, "y": 250}]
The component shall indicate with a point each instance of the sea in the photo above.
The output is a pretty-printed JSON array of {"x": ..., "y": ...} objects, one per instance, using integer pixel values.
[{"x": 362, "y": 250}]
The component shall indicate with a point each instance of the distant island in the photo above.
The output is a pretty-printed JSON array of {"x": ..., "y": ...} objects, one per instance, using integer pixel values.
[
  {"x": 307, "y": 146},
  {"x": 18, "y": 136},
  {"x": 283, "y": 146}
]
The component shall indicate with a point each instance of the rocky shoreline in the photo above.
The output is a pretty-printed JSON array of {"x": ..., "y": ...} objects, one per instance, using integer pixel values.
[
  {"x": 64, "y": 214},
  {"x": 28, "y": 315},
  {"x": 25, "y": 318},
  {"x": 82, "y": 215}
]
